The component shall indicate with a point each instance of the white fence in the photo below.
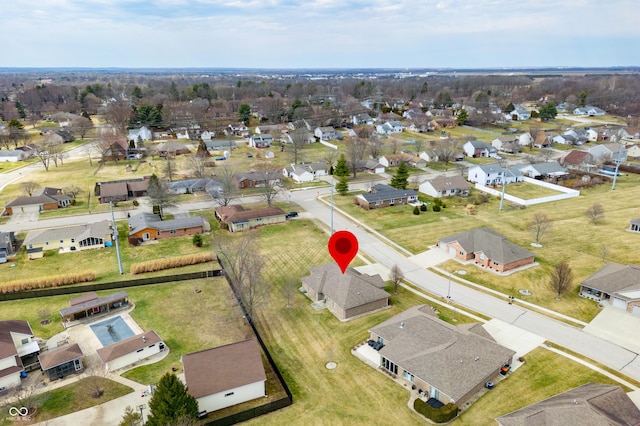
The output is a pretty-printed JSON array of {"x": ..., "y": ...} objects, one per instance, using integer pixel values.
[
  {"x": 330, "y": 145},
  {"x": 566, "y": 193}
]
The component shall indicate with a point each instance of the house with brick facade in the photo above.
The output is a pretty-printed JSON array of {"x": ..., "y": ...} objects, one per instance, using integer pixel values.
[
  {"x": 44, "y": 199},
  {"x": 487, "y": 249},
  {"x": 385, "y": 196},
  {"x": 445, "y": 363},
  {"x": 347, "y": 296},
  {"x": 236, "y": 218},
  {"x": 149, "y": 226}
]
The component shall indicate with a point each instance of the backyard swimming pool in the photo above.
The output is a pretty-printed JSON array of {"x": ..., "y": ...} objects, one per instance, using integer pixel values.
[{"x": 112, "y": 330}]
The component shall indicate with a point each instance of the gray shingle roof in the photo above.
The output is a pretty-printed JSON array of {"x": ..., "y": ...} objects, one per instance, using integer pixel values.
[
  {"x": 589, "y": 404},
  {"x": 381, "y": 192},
  {"x": 493, "y": 244},
  {"x": 452, "y": 359},
  {"x": 146, "y": 220},
  {"x": 443, "y": 183},
  {"x": 78, "y": 232},
  {"x": 348, "y": 290},
  {"x": 614, "y": 277}
]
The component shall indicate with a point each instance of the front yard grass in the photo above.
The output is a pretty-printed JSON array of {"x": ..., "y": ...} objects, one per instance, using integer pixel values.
[{"x": 529, "y": 191}]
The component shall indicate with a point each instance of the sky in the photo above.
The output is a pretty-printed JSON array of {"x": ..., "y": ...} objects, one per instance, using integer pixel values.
[{"x": 319, "y": 33}]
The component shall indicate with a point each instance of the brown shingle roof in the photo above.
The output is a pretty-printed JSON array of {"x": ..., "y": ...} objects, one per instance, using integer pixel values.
[
  {"x": 589, "y": 404},
  {"x": 127, "y": 346},
  {"x": 575, "y": 157},
  {"x": 493, "y": 244},
  {"x": 59, "y": 356},
  {"x": 113, "y": 189},
  {"x": 226, "y": 367},
  {"x": 7, "y": 347},
  {"x": 443, "y": 183},
  {"x": 230, "y": 214}
]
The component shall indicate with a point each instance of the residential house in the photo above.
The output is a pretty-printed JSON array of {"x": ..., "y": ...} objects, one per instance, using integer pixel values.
[
  {"x": 541, "y": 140},
  {"x": 44, "y": 199},
  {"x": 130, "y": 351},
  {"x": 510, "y": 147},
  {"x": 12, "y": 155},
  {"x": 225, "y": 376},
  {"x": 118, "y": 150},
  {"x": 579, "y": 160},
  {"x": 207, "y": 135},
  {"x": 632, "y": 133},
  {"x": 562, "y": 140},
  {"x": 609, "y": 152},
  {"x": 261, "y": 141},
  {"x": 221, "y": 144},
  {"x": 633, "y": 151},
  {"x": 564, "y": 107},
  {"x": 409, "y": 158},
  {"x": 325, "y": 133},
  {"x": 61, "y": 361},
  {"x": 191, "y": 186},
  {"x": 17, "y": 350},
  {"x": 389, "y": 127},
  {"x": 8, "y": 245},
  {"x": 634, "y": 226},
  {"x": 616, "y": 284},
  {"x": 430, "y": 156},
  {"x": 90, "y": 304},
  {"x": 347, "y": 296},
  {"x": 525, "y": 139},
  {"x": 446, "y": 363},
  {"x": 445, "y": 186},
  {"x": 171, "y": 149},
  {"x": 305, "y": 172},
  {"x": 238, "y": 129},
  {"x": 520, "y": 113},
  {"x": 550, "y": 169},
  {"x": 121, "y": 190},
  {"x": 589, "y": 404},
  {"x": 237, "y": 219},
  {"x": 588, "y": 110},
  {"x": 385, "y": 196},
  {"x": 149, "y": 226},
  {"x": 493, "y": 174},
  {"x": 370, "y": 166},
  {"x": 477, "y": 149},
  {"x": 255, "y": 179},
  {"x": 486, "y": 248},
  {"x": 86, "y": 236},
  {"x": 141, "y": 134},
  {"x": 362, "y": 119}
]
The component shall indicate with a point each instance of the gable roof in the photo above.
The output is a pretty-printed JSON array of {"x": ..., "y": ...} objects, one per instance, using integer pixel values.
[
  {"x": 58, "y": 356},
  {"x": 591, "y": 403},
  {"x": 381, "y": 192},
  {"x": 7, "y": 347},
  {"x": 237, "y": 213},
  {"x": 145, "y": 220},
  {"x": 127, "y": 346},
  {"x": 614, "y": 278},
  {"x": 79, "y": 232},
  {"x": 493, "y": 244},
  {"x": 215, "y": 370},
  {"x": 348, "y": 290},
  {"x": 443, "y": 183},
  {"x": 257, "y": 176},
  {"x": 453, "y": 359},
  {"x": 575, "y": 157},
  {"x": 550, "y": 167},
  {"x": 38, "y": 199}
]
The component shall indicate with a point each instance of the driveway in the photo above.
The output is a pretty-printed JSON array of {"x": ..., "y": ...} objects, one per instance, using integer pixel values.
[
  {"x": 514, "y": 338},
  {"x": 616, "y": 326}
]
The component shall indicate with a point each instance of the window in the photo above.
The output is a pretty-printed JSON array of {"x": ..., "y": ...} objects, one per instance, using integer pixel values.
[
  {"x": 229, "y": 394},
  {"x": 73, "y": 240},
  {"x": 389, "y": 366},
  {"x": 61, "y": 241},
  {"x": 481, "y": 256},
  {"x": 407, "y": 376},
  {"x": 24, "y": 341},
  {"x": 150, "y": 346},
  {"x": 173, "y": 231},
  {"x": 140, "y": 350}
]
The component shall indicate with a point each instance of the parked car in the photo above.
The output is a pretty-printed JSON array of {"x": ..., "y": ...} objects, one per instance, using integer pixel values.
[{"x": 291, "y": 214}]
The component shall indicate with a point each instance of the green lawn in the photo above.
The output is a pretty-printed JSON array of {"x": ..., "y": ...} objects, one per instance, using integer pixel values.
[{"x": 529, "y": 191}]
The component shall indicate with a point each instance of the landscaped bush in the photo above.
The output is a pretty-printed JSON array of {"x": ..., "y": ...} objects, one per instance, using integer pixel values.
[
  {"x": 197, "y": 240},
  {"x": 437, "y": 415},
  {"x": 170, "y": 263},
  {"x": 47, "y": 282},
  {"x": 416, "y": 210},
  {"x": 423, "y": 207},
  {"x": 436, "y": 208}
]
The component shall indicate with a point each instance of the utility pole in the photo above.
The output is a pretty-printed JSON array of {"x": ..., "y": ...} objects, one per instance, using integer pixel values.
[
  {"x": 618, "y": 161},
  {"x": 115, "y": 236},
  {"x": 331, "y": 205}
]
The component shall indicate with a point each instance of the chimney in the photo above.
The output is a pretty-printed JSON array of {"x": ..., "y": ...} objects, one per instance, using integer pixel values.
[
  {"x": 144, "y": 339},
  {"x": 402, "y": 325}
]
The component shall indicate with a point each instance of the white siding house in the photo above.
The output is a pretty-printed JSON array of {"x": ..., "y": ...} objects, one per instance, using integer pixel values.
[
  {"x": 130, "y": 351},
  {"x": 493, "y": 174},
  {"x": 224, "y": 376}
]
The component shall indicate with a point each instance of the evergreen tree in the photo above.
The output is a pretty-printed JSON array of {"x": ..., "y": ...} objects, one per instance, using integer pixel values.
[
  {"x": 401, "y": 179},
  {"x": 244, "y": 113},
  {"x": 171, "y": 402},
  {"x": 342, "y": 186},
  {"x": 197, "y": 240},
  {"x": 341, "y": 168},
  {"x": 548, "y": 111},
  {"x": 509, "y": 108},
  {"x": 130, "y": 417},
  {"x": 462, "y": 117}
]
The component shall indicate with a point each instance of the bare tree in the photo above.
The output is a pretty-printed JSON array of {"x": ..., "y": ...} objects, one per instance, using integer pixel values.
[
  {"x": 228, "y": 191},
  {"x": 289, "y": 290},
  {"x": 299, "y": 139},
  {"x": 81, "y": 125},
  {"x": 95, "y": 377},
  {"x": 159, "y": 194},
  {"x": 546, "y": 153},
  {"x": 356, "y": 148},
  {"x": 29, "y": 187},
  {"x": 446, "y": 150},
  {"x": 44, "y": 156},
  {"x": 198, "y": 165},
  {"x": 269, "y": 190},
  {"x": 595, "y": 213},
  {"x": 394, "y": 145},
  {"x": 130, "y": 417},
  {"x": 118, "y": 113},
  {"x": 604, "y": 252},
  {"x": 243, "y": 264},
  {"x": 57, "y": 153},
  {"x": 539, "y": 225},
  {"x": 72, "y": 190},
  {"x": 396, "y": 275},
  {"x": 25, "y": 396},
  {"x": 561, "y": 279},
  {"x": 105, "y": 146}
]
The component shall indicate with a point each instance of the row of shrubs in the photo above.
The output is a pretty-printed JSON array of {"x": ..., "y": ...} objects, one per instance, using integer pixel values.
[
  {"x": 46, "y": 282},
  {"x": 170, "y": 263},
  {"x": 438, "y": 415}
]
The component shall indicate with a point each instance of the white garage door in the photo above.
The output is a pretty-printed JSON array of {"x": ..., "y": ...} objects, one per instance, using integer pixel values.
[
  {"x": 27, "y": 209},
  {"x": 619, "y": 303},
  {"x": 635, "y": 310}
]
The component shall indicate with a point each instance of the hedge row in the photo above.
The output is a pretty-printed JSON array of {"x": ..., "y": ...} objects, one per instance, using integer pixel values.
[
  {"x": 172, "y": 262},
  {"x": 437, "y": 415},
  {"x": 46, "y": 282}
]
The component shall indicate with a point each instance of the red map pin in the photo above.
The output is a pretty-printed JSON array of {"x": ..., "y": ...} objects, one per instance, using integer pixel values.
[{"x": 343, "y": 247}]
